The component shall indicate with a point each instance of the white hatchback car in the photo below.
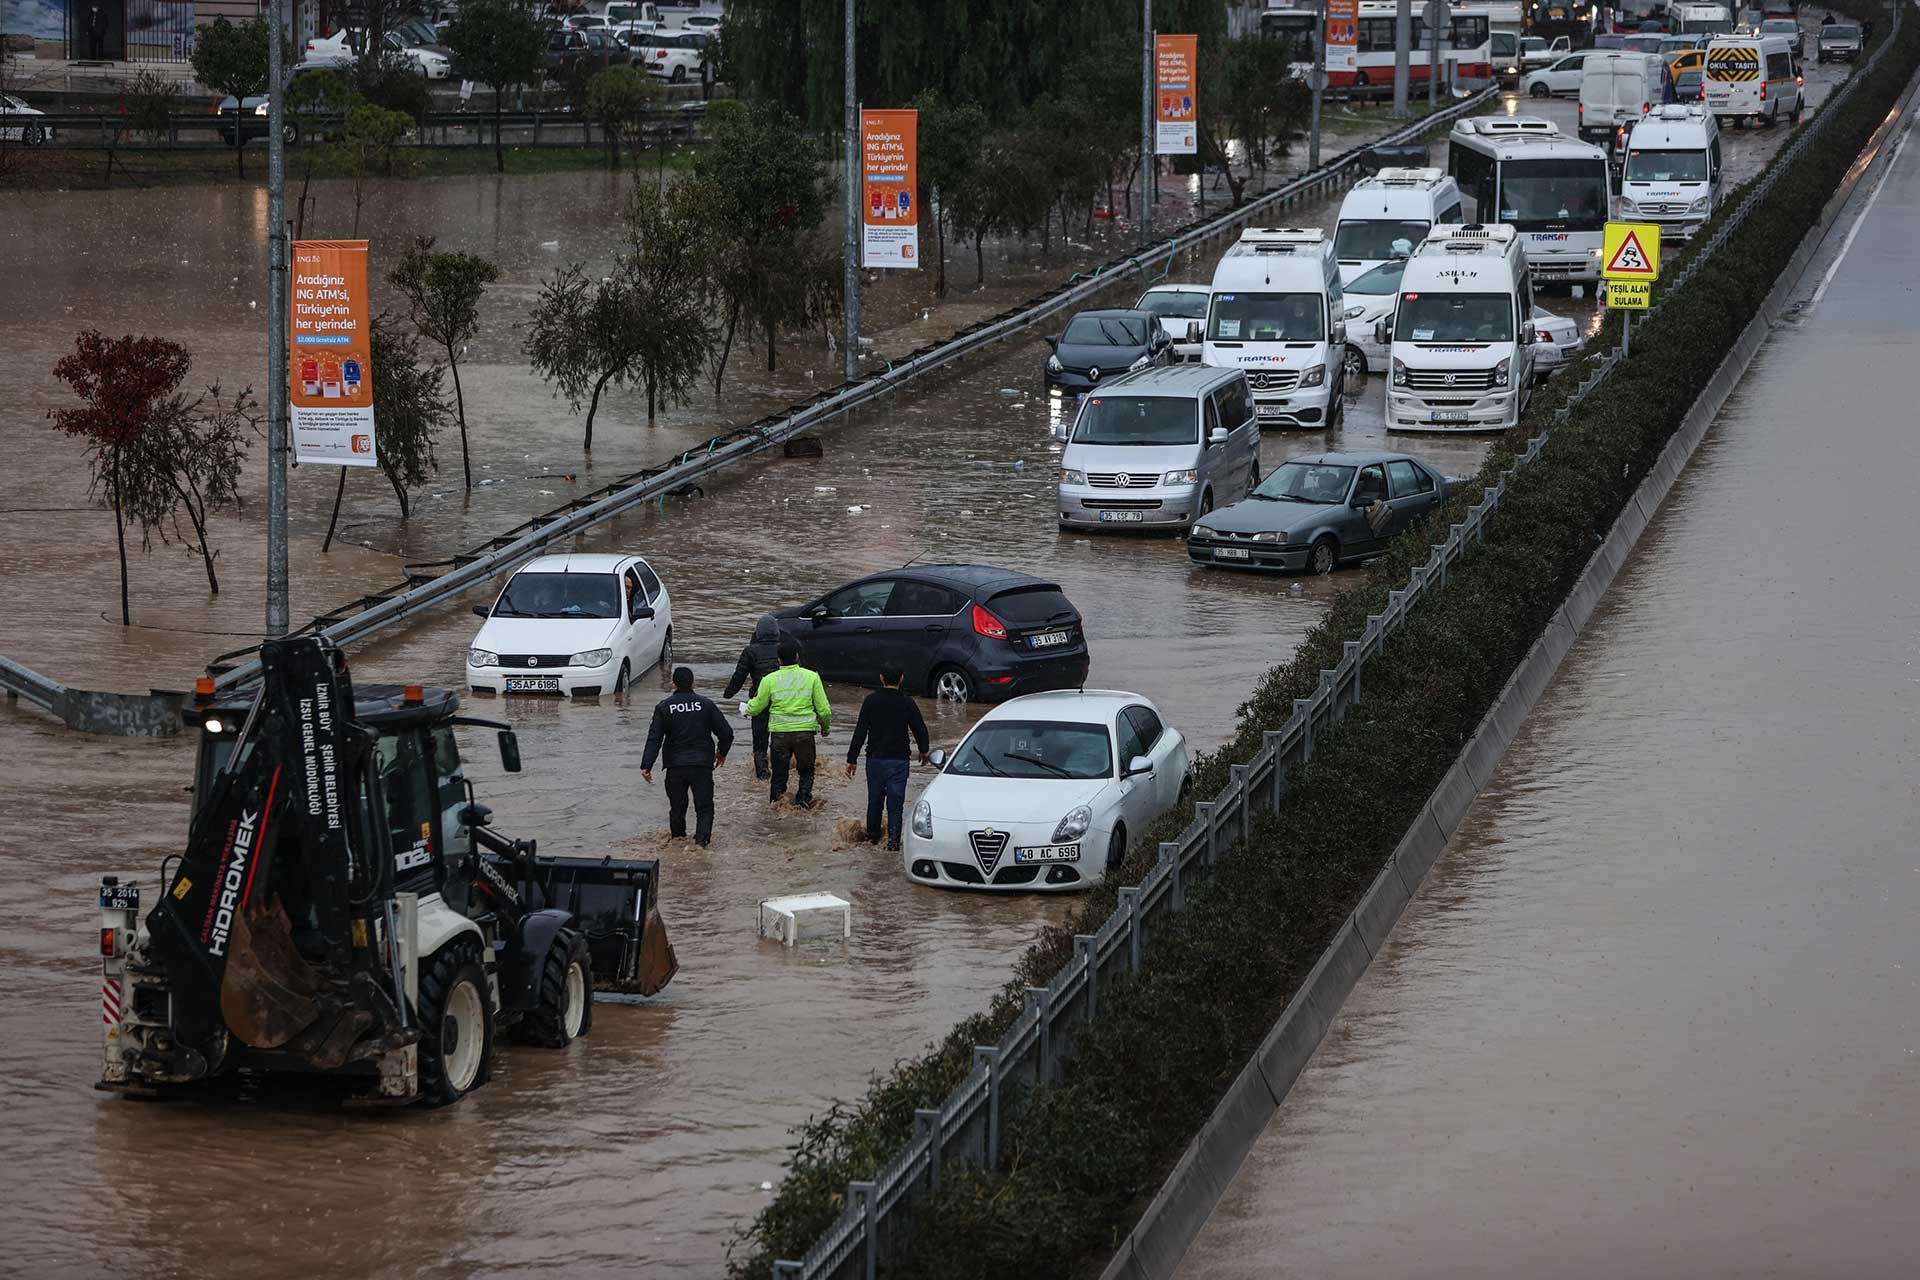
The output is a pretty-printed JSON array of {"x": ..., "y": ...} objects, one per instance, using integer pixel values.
[
  {"x": 1045, "y": 792},
  {"x": 573, "y": 625},
  {"x": 1179, "y": 305},
  {"x": 678, "y": 56}
]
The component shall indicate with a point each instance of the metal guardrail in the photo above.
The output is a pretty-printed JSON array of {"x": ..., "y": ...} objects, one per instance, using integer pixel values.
[
  {"x": 384, "y": 608},
  {"x": 24, "y": 682},
  {"x": 95, "y": 129},
  {"x": 126, "y": 715},
  {"x": 877, "y": 1221}
]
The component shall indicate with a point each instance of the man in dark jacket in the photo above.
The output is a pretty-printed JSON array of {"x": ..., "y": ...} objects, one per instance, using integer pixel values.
[
  {"x": 760, "y": 659},
  {"x": 696, "y": 737},
  {"x": 886, "y": 718}
]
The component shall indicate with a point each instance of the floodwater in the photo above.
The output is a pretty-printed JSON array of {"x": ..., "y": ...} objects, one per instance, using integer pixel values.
[
  {"x": 1657, "y": 1010},
  {"x": 647, "y": 1144}
]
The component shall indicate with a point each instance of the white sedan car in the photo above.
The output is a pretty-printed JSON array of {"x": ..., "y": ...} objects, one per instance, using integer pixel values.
[
  {"x": 1179, "y": 305},
  {"x": 1371, "y": 296},
  {"x": 1562, "y": 79},
  {"x": 17, "y": 123},
  {"x": 1557, "y": 341},
  {"x": 573, "y": 625},
  {"x": 704, "y": 23},
  {"x": 1045, "y": 792}
]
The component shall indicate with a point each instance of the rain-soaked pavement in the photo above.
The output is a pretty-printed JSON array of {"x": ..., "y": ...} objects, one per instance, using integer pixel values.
[
  {"x": 1657, "y": 1010},
  {"x": 648, "y": 1143}
]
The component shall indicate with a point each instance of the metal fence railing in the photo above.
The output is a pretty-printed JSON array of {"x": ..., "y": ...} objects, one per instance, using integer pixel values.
[
  {"x": 152, "y": 715},
  {"x": 207, "y": 130},
  {"x": 423, "y": 590},
  {"x": 877, "y": 1222}
]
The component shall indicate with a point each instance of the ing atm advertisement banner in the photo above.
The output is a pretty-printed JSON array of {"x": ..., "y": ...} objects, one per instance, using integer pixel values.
[{"x": 330, "y": 355}]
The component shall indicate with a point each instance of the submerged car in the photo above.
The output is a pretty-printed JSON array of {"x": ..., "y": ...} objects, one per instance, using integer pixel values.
[
  {"x": 1044, "y": 793},
  {"x": 573, "y": 625},
  {"x": 1101, "y": 344},
  {"x": 969, "y": 632},
  {"x": 1316, "y": 513},
  {"x": 1557, "y": 342},
  {"x": 1838, "y": 42},
  {"x": 1179, "y": 307},
  {"x": 1371, "y": 297}
]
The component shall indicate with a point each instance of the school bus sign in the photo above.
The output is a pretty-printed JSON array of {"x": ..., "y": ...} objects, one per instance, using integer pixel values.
[{"x": 1630, "y": 263}]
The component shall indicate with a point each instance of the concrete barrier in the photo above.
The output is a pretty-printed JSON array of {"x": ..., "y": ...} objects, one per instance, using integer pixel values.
[{"x": 1173, "y": 1219}]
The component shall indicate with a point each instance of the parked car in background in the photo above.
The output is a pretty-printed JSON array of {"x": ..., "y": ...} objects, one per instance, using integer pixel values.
[
  {"x": 1562, "y": 79},
  {"x": 1747, "y": 22},
  {"x": 575, "y": 625},
  {"x": 1179, "y": 307},
  {"x": 17, "y": 123},
  {"x": 1370, "y": 298},
  {"x": 970, "y": 632},
  {"x": 1045, "y": 792},
  {"x": 1687, "y": 86},
  {"x": 675, "y": 56},
  {"x": 705, "y": 23},
  {"x": 250, "y": 115},
  {"x": 1838, "y": 42},
  {"x": 1101, "y": 344},
  {"x": 571, "y": 52},
  {"x": 1537, "y": 52},
  {"x": 1557, "y": 342},
  {"x": 1321, "y": 511},
  {"x": 1794, "y": 34},
  {"x": 1159, "y": 449}
]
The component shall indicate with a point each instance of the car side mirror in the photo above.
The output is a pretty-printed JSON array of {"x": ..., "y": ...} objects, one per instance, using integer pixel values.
[
  {"x": 1193, "y": 331},
  {"x": 938, "y": 756},
  {"x": 818, "y": 613},
  {"x": 1053, "y": 340},
  {"x": 1138, "y": 765},
  {"x": 1217, "y": 436},
  {"x": 641, "y": 612},
  {"x": 1380, "y": 331},
  {"x": 509, "y": 751},
  {"x": 480, "y": 611}
]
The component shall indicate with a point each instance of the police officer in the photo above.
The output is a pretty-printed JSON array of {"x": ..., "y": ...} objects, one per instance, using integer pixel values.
[{"x": 696, "y": 737}]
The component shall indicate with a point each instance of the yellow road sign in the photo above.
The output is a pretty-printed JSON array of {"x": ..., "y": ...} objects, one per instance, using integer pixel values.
[
  {"x": 1631, "y": 295},
  {"x": 1631, "y": 251}
]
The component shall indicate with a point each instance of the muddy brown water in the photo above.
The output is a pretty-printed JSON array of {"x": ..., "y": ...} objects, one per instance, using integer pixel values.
[
  {"x": 645, "y": 1146},
  {"x": 1657, "y": 1009}
]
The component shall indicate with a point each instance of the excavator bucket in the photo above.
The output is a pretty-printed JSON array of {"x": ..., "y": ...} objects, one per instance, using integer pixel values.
[
  {"x": 615, "y": 903},
  {"x": 269, "y": 993}
]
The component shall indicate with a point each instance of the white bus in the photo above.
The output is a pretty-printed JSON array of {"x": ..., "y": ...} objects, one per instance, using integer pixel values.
[
  {"x": 1553, "y": 190},
  {"x": 1467, "y": 45},
  {"x": 1700, "y": 20}
]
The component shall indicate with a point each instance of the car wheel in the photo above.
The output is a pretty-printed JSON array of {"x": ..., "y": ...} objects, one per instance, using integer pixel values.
[
  {"x": 1206, "y": 503},
  {"x": 1186, "y": 790},
  {"x": 951, "y": 683},
  {"x": 679, "y": 75},
  {"x": 1356, "y": 364},
  {"x": 1326, "y": 554},
  {"x": 34, "y": 135},
  {"x": 1116, "y": 848},
  {"x": 666, "y": 650},
  {"x": 290, "y": 134},
  {"x": 620, "y": 681},
  {"x": 1539, "y": 91}
]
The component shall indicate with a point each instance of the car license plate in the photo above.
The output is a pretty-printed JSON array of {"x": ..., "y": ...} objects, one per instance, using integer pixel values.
[
  {"x": 1447, "y": 415},
  {"x": 1269, "y": 410},
  {"x": 119, "y": 897},
  {"x": 533, "y": 684},
  {"x": 1230, "y": 553},
  {"x": 1123, "y": 517},
  {"x": 1048, "y": 853},
  {"x": 1050, "y": 639}
]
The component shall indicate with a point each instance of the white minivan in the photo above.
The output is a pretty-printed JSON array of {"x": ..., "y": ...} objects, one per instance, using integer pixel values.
[
  {"x": 1384, "y": 216},
  {"x": 1616, "y": 90},
  {"x": 1752, "y": 77},
  {"x": 1672, "y": 174},
  {"x": 1462, "y": 333},
  {"x": 1276, "y": 313}
]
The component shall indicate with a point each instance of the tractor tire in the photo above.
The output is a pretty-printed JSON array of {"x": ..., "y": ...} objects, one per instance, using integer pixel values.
[
  {"x": 455, "y": 1008},
  {"x": 563, "y": 1008}
]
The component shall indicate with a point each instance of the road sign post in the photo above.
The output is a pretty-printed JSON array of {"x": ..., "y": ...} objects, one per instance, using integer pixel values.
[
  {"x": 1438, "y": 17},
  {"x": 1630, "y": 263}
]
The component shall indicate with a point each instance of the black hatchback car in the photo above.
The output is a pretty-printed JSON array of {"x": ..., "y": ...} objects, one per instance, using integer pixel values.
[
  {"x": 1106, "y": 344},
  {"x": 971, "y": 632}
]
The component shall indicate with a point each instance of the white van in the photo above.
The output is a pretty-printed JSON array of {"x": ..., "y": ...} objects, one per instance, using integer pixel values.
[
  {"x": 1672, "y": 174},
  {"x": 1752, "y": 77},
  {"x": 1395, "y": 207},
  {"x": 1159, "y": 448},
  {"x": 1616, "y": 90},
  {"x": 1462, "y": 333},
  {"x": 1275, "y": 313}
]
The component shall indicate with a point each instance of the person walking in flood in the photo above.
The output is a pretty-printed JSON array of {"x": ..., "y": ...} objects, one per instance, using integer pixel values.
[
  {"x": 695, "y": 737},
  {"x": 796, "y": 706},
  {"x": 760, "y": 659},
  {"x": 886, "y": 718}
]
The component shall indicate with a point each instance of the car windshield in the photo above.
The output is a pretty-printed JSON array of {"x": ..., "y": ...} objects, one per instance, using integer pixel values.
[
  {"x": 560, "y": 595},
  {"x": 1136, "y": 420},
  {"x": 1320, "y": 482},
  {"x": 1105, "y": 331},
  {"x": 1034, "y": 749},
  {"x": 1181, "y": 304},
  {"x": 1533, "y": 44},
  {"x": 1454, "y": 317},
  {"x": 1266, "y": 317},
  {"x": 1361, "y": 241},
  {"x": 1840, "y": 31},
  {"x": 1554, "y": 195},
  {"x": 1666, "y": 166},
  {"x": 1383, "y": 279}
]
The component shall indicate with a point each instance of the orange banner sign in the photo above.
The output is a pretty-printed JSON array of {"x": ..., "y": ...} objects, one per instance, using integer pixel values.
[
  {"x": 1343, "y": 35},
  {"x": 1176, "y": 62},
  {"x": 330, "y": 361},
  {"x": 889, "y": 187}
]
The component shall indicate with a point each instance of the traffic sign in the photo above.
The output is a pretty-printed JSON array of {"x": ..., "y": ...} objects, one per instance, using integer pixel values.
[
  {"x": 1632, "y": 295},
  {"x": 1631, "y": 251},
  {"x": 1436, "y": 15}
]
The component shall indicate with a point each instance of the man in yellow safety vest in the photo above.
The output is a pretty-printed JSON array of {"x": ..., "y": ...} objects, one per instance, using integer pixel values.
[{"x": 796, "y": 703}]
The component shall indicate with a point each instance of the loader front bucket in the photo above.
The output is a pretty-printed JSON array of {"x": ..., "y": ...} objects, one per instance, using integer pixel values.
[
  {"x": 269, "y": 993},
  {"x": 614, "y": 904}
]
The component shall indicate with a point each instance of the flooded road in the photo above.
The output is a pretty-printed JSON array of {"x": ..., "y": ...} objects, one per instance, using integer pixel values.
[
  {"x": 1657, "y": 1009},
  {"x": 645, "y": 1146}
]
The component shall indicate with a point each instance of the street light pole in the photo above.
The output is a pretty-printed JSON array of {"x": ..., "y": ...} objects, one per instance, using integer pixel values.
[
  {"x": 1435, "y": 8},
  {"x": 1319, "y": 87},
  {"x": 1402, "y": 55},
  {"x": 1146, "y": 121},
  {"x": 850, "y": 282},
  {"x": 277, "y": 612}
]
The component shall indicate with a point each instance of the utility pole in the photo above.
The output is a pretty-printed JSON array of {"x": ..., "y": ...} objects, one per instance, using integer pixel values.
[
  {"x": 1434, "y": 7},
  {"x": 1402, "y": 55},
  {"x": 1319, "y": 87},
  {"x": 850, "y": 283},
  {"x": 1147, "y": 83},
  {"x": 276, "y": 321}
]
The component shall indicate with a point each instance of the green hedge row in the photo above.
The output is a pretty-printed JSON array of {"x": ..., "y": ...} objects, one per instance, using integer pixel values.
[{"x": 1083, "y": 1157}]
